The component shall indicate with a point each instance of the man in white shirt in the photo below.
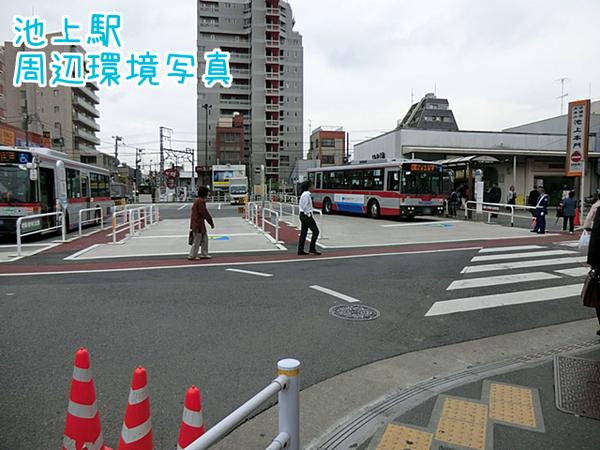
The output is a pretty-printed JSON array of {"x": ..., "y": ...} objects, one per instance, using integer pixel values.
[{"x": 307, "y": 220}]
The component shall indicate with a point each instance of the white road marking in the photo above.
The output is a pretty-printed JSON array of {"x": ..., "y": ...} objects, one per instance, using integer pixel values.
[
  {"x": 509, "y": 249},
  {"x": 241, "y": 263},
  {"x": 418, "y": 224},
  {"x": 219, "y": 207},
  {"x": 575, "y": 272},
  {"x": 390, "y": 244},
  {"x": 501, "y": 279},
  {"x": 507, "y": 299},
  {"x": 523, "y": 255},
  {"x": 524, "y": 264},
  {"x": 334, "y": 293},
  {"x": 81, "y": 252},
  {"x": 250, "y": 272},
  {"x": 182, "y": 207}
]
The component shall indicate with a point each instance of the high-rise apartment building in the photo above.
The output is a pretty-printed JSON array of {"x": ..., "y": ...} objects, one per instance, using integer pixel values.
[
  {"x": 266, "y": 65},
  {"x": 66, "y": 114}
]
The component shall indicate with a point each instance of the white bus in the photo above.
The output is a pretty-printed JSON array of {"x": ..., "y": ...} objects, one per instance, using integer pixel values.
[
  {"x": 39, "y": 180},
  {"x": 399, "y": 188}
]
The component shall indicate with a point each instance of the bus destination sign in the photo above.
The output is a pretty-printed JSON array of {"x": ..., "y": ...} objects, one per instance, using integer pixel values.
[
  {"x": 424, "y": 168},
  {"x": 14, "y": 157}
]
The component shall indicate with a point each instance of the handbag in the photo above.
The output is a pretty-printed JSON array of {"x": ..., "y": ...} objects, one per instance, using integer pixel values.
[
  {"x": 584, "y": 240},
  {"x": 591, "y": 290},
  {"x": 191, "y": 238}
]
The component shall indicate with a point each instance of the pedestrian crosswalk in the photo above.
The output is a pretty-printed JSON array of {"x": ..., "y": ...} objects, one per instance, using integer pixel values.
[{"x": 514, "y": 275}]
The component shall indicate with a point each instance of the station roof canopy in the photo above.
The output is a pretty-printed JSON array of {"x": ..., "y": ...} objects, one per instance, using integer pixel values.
[
  {"x": 481, "y": 159},
  {"x": 489, "y": 151}
]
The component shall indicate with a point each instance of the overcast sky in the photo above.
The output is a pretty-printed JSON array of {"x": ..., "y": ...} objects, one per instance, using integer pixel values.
[{"x": 497, "y": 61}]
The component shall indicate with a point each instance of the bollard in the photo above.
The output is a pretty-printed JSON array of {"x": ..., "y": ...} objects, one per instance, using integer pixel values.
[
  {"x": 289, "y": 402},
  {"x": 64, "y": 227}
]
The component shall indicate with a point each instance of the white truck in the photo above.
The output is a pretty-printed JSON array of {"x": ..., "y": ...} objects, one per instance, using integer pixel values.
[{"x": 238, "y": 190}]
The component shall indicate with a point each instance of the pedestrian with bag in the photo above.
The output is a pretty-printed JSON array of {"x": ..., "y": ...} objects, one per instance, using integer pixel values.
[
  {"x": 569, "y": 205},
  {"x": 591, "y": 288},
  {"x": 305, "y": 205},
  {"x": 198, "y": 237}
]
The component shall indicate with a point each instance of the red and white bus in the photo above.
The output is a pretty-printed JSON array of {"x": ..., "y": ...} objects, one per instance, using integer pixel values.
[
  {"x": 399, "y": 188},
  {"x": 39, "y": 180}
]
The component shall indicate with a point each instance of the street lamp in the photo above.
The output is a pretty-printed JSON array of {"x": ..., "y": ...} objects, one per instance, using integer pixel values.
[{"x": 207, "y": 108}]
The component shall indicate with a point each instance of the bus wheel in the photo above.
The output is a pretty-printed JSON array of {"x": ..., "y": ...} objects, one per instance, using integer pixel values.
[
  {"x": 327, "y": 206},
  {"x": 373, "y": 209}
]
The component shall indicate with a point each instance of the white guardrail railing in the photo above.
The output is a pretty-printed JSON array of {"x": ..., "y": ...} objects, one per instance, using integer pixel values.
[
  {"x": 271, "y": 212},
  {"x": 133, "y": 217},
  {"x": 254, "y": 214},
  {"x": 501, "y": 209},
  {"x": 286, "y": 386},
  {"x": 91, "y": 220},
  {"x": 62, "y": 225}
]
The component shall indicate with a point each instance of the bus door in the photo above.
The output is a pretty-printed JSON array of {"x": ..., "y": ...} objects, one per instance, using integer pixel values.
[
  {"x": 393, "y": 185},
  {"x": 85, "y": 193},
  {"x": 47, "y": 195}
]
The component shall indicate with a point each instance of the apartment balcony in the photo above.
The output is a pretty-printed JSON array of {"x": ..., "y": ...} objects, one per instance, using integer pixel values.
[
  {"x": 235, "y": 104},
  {"x": 239, "y": 57},
  {"x": 85, "y": 149},
  {"x": 272, "y": 11},
  {"x": 80, "y": 102},
  {"x": 81, "y": 118},
  {"x": 243, "y": 88},
  {"x": 272, "y": 91},
  {"x": 272, "y": 170},
  {"x": 272, "y": 123},
  {"x": 274, "y": 76},
  {"x": 88, "y": 93},
  {"x": 272, "y": 27},
  {"x": 271, "y": 139},
  {"x": 272, "y": 42},
  {"x": 272, "y": 155},
  {"x": 90, "y": 137},
  {"x": 272, "y": 107},
  {"x": 240, "y": 73},
  {"x": 273, "y": 59}
]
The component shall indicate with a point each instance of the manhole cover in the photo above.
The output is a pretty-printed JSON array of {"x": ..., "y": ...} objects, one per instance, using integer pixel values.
[
  {"x": 577, "y": 383},
  {"x": 354, "y": 312}
]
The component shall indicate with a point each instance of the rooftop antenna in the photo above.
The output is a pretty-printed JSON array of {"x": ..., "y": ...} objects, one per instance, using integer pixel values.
[{"x": 563, "y": 94}]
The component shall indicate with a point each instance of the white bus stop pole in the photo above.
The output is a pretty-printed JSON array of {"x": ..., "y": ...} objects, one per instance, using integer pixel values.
[{"x": 289, "y": 402}]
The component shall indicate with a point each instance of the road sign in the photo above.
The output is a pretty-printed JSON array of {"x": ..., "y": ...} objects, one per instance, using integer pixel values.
[{"x": 577, "y": 137}]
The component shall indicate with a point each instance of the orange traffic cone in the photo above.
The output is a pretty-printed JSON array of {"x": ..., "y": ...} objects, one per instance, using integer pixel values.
[
  {"x": 136, "y": 433},
  {"x": 82, "y": 428},
  {"x": 577, "y": 220},
  {"x": 192, "y": 425}
]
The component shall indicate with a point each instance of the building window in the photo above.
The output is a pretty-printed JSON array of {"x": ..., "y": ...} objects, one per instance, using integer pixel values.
[
  {"x": 57, "y": 109},
  {"x": 328, "y": 142},
  {"x": 55, "y": 92}
]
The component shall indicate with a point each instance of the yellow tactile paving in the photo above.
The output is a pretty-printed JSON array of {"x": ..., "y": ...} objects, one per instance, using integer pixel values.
[
  {"x": 512, "y": 404},
  {"x": 398, "y": 437},
  {"x": 463, "y": 423}
]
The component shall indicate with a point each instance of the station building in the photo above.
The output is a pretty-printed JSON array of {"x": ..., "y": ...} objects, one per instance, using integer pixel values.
[{"x": 525, "y": 156}]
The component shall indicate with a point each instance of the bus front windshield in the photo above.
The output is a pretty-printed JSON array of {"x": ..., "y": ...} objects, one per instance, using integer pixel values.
[
  {"x": 421, "y": 182},
  {"x": 15, "y": 185}
]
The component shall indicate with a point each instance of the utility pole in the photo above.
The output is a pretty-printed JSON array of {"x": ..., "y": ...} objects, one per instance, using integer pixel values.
[
  {"x": 190, "y": 152},
  {"x": 116, "y": 162},
  {"x": 138, "y": 177},
  {"x": 207, "y": 109},
  {"x": 562, "y": 95},
  {"x": 164, "y": 132}
]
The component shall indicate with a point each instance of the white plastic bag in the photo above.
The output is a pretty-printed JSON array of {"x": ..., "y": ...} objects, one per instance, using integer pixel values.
[{"x": 584, "y": 241}]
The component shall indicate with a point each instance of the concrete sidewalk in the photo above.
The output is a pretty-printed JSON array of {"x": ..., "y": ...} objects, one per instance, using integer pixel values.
[{"x": 353, "y": 409}]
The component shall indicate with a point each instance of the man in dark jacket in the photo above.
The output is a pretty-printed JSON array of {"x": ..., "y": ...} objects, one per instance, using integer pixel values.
[
  {"x": 541, "y": 211},
  {"x": 569, "y": 205},
  {"x": 495, "y": 196},
  {"x": 200, "y": 234},
  {"x": 532, "y": 199}
]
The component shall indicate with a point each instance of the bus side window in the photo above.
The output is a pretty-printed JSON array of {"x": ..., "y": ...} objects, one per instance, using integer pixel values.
[
  {"x": 73, "y": 183},
  {"x": 85, "y": 187},
  {"x": 393, "y": 181},
  {"x": 319, "y": 180}
]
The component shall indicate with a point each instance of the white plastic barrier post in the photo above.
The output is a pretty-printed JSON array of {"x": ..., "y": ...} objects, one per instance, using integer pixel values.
[{"x": 289, "y": 402}]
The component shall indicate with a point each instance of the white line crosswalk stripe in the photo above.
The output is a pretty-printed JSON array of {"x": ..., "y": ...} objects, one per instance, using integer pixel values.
[
  {"x": 506, "y": 299},
  {"x": 524, "y": 264},
  {"x": 500, "y": 280},
  {"x": 574, "y": 272},
  {"x": 522, "y": 255},
  {"x": 510, "y": 249}
]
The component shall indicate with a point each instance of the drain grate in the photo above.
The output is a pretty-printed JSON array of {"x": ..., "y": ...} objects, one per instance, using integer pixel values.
[
  {"x": 354, "y": 312},
  {"x": 577, "y": 382}
]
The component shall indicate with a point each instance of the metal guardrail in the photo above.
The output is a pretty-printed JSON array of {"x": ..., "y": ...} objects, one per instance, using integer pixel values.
[
  {"x": 81, "y": 222},
  {"x": 286, "y": 385},
  {"x": 133, "y": 217},
  {"x": 485, "y": 210},
  {"x": 273, "y": 224},
  {"x": 20, "y": 220}
]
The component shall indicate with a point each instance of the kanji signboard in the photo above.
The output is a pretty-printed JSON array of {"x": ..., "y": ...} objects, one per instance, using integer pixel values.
[{"x": 577, "y": 137}]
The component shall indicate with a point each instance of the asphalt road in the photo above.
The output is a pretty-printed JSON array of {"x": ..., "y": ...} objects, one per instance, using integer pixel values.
[{"x": 222, "y": 331}]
